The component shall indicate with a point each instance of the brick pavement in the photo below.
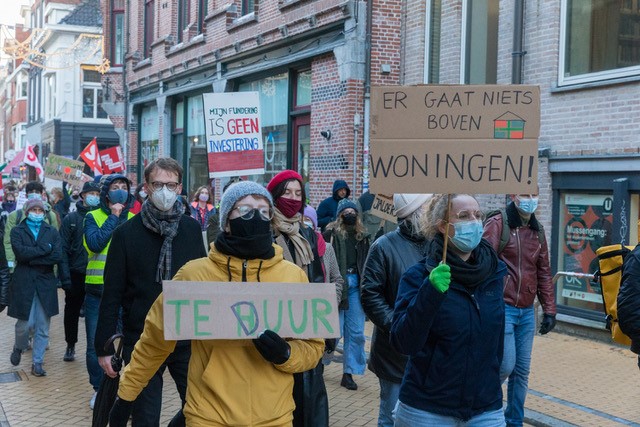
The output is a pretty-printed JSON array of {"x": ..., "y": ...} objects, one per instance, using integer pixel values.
[{"x": 573, "y": 382}]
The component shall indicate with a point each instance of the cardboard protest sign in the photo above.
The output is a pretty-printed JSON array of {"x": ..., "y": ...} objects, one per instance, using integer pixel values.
[
  {"x": 234, "y": 134},
  {"x": 112, "y": 160},
  {"x": 63, "y": 169},
  {"x": 382, "y": 207},
  {"x": 457, "y": 138},
  {"x": 223, "y": 310}
]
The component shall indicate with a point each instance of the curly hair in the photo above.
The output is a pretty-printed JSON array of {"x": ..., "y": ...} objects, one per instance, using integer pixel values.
[{"x": 435, "y": 213}]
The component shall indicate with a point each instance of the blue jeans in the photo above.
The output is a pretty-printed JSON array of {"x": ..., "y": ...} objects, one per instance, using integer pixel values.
[
  {"x": 389, "y": 392},
  {"x": 407, "y": 416},
  {"x": 39, "y": 322},
  {"x": 91, "y": 310},
  {"x": 352, "y": 326},
  {"x": 519, "y": 331}
]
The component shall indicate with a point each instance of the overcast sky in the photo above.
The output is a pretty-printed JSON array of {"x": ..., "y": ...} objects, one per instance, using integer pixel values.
[{"x": 10, "y": 16}]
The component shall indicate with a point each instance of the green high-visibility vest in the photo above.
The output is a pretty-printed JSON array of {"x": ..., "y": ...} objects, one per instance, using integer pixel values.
[{"x": 95, "y": 266}]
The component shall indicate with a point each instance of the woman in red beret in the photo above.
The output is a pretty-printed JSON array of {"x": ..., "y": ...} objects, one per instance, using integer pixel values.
[{"x": 300, "y": 246}]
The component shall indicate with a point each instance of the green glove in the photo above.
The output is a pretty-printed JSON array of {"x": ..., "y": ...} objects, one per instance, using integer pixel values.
[{"x": 440, "y": 278}]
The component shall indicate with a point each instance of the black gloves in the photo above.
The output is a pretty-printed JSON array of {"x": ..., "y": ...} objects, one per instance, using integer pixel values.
[
  {"x": 120, "y": 413},
  {"x": 548, "y": 323},
  {"x": 272, "y": 347},
  {"x": 330, "y": 344}
]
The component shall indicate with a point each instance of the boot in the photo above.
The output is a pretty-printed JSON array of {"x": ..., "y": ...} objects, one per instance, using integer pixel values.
[
  {"x": 37, "y": 370},
  {"x": 70, "y": 354},
  {"x": 16, "y": 355},
  {"x": 348, "y": 382}
]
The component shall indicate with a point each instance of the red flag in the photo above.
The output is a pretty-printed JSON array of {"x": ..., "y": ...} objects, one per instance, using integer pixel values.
[
  {"x": 31, "y": 159},
  {"x": 91, "y": 157}
]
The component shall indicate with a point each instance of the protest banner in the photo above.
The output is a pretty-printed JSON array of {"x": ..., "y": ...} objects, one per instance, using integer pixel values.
[
  {"x": 63, "y": 169},
  {"x": 234, "y": 134},
  {"x": 457, "y": 138},
  {"x": 223, "y": 310},
  {"x": 112, "y": 160},
  {"x": 382, "y": 207}
]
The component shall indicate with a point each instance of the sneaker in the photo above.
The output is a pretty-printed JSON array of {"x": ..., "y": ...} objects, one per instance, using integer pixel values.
[
  {"x": 92, "y": 402},
  {"x": 37, "y": 370},
  {"x": 70, "y": 354},
  {"x": 16, "y": 355},
  {"x": 348, "y": 382}
]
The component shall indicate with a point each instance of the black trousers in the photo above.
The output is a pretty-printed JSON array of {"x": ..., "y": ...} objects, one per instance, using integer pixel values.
[
  {"x": 73, "y": 300},
  {"x": 146, "y": 408}
]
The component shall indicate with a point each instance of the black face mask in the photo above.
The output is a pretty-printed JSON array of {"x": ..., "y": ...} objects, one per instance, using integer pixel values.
[
  {"x": 349, "y": 219},
  {"x": 248, "y": 239}
]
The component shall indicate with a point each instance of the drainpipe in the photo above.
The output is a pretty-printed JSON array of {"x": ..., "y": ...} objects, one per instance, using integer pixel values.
[
  {"x": 125, "y": 90},
  {"x": 367, "y": 97},
  {"x": 517, "y": 54}
]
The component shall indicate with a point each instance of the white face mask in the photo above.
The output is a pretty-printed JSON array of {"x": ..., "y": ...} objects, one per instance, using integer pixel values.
[{"x": 164, "y": 199}]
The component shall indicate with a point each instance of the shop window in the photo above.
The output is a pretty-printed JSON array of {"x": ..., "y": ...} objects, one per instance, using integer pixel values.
[
  {"x": 480, "y": 60},
  {"x": 117, "y": 32},
  {"x": 303, "y": 89},
  {"x": 432, "y": 47},
  {"x": 149, "y": 135},
  {"x": 92, "y": 97},
  {"x": 585, "y": 224},
  {"x": 148, "y": 27},
  {"x": 600, "y": 40}
]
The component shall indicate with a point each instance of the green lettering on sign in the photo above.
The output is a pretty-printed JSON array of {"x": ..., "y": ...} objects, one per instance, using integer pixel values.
[
  {"x": 320, "y": 315},
  {"x": 303, "y": 324},
  {"x": 198, "y": 318},
  {"x": 178, "y": 303},
  {"x": 276, "y": 328}
]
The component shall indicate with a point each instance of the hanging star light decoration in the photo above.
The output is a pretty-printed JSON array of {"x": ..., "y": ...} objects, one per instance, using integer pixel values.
[{"x": 86, "y": 49}]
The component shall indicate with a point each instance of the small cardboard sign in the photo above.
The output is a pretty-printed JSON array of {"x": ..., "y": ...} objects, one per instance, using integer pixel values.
[
  {"x": 231, "y": 310},
  {"x": 63, "y": 169},
  {"x": 234, "y": 134},
  {"x": 382, "y": 207},
  {"x": 454, "y": 138}
]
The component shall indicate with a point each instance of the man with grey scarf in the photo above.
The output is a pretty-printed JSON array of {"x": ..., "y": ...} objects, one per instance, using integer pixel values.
[{"x": 149, "y": 248}]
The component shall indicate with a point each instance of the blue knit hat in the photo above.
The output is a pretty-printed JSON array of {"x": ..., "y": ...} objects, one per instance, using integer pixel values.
[
  {"x": 236, "y": 192},
  {"x": 346, "y": 204}
]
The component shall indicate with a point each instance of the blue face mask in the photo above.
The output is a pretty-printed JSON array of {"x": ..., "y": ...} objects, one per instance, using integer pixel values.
[
  {"x": 36, "y": 218},
  {"x": 467, "y": 235},
  {"x": 118, "y": 196},
  {"x": 92, "y": 200},
  {"x": 528, "y": 206},
  {"x": 34, "y": 196}
]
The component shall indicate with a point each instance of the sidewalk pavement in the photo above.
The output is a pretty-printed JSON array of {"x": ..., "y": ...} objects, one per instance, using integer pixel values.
[{"x": 573, "y": 381}]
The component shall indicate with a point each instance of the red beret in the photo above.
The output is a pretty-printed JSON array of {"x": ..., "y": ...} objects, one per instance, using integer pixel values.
[{"x": 285, "y": 175}]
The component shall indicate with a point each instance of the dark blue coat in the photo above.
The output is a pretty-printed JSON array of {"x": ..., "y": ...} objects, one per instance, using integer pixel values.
[
  {"x": 328, "y": 207},
  {"x": 35, "y": 259},
  {"x": 454, "y": 342}
]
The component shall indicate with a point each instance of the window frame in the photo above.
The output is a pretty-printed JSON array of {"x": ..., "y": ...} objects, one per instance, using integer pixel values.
[
  {"x": 247, "y": 7},
  {"x": 96, "y": 88},
  {"x": 148, "y": 31},
  {"x": 203, "y": 9},
  {"x": 599, "y": 76},
  {"x": 50, "y": 96},
  {"x": 184, "y": 12},
  {"x": 22, "y": 86},
  {"x": 115, "y": 13},
  {"x": 466, "y": 12}
]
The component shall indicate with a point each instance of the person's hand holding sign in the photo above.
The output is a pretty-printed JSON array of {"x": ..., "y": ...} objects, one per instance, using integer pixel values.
[
  {"x": 440, "y": 278},
  {"x": 272, "y": 347}
]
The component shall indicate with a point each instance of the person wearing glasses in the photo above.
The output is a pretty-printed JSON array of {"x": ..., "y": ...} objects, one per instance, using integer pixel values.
[
  {"x": 526, "y": 254},
  {"x": 300, "y": 246},
  {"x": 144, "y": 251},
  {"x": 231, "y": 382},
  {"x": 99, "y": 225},
  {"x": 449, "y": 319}
]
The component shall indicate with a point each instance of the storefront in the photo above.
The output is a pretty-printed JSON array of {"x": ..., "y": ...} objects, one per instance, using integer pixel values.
[{"x": 591, "y": 210}]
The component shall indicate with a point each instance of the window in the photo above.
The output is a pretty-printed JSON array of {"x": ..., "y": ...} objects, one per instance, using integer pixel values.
[
  {"x": 149, "y": 135},
  {"x": 600, "y": 40},
  {"x": 203, "y": 9},
  {"x": 480, "y": 59},
  {"x": 50, "y": 96},
  {"x": 183, "y": 18},
  {"x": 117, "y": 32},
  {"x": 248, "y": 6},
  {"x": 302, "y": 97},
  {"x": 92, "y": 97},
  {"x": 432, "y": 46},
  {"x": 23, "y": 81},
  {"x": 148, "y": 27}
]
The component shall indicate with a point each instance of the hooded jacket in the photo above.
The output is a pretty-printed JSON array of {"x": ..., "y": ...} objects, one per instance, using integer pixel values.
[
  {"x": 230, "y": 383},
  {"x": 327, "y": 208},
  {"x": 74, "y": 255}
]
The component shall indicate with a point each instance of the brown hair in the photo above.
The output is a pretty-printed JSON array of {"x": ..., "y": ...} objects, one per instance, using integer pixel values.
[{"x": 164, "y": 163}]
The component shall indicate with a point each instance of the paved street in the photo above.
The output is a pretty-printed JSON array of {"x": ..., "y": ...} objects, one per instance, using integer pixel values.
[{"x": 573, "y": 382}]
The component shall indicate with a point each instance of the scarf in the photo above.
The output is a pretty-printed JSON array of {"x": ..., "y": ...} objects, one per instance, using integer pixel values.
[
  {"x": 480, "y": 266},
  {"x": 245, "y": 248},
  {"x": 166, "y": 225},
  {"x": 290, "y": 227}
]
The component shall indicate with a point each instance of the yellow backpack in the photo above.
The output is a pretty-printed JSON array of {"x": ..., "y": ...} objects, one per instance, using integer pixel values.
[{"x": 610, "y": 260}]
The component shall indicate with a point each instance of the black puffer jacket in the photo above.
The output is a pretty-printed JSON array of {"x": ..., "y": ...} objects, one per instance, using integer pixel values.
[
  {"x": 74, "y": 254},
  {"x": 389, "y": 257},
  {"x": 629, "y": 299}
]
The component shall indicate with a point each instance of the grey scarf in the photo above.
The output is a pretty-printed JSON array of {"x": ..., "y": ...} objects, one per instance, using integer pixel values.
[{"x": 166, "y": 225}]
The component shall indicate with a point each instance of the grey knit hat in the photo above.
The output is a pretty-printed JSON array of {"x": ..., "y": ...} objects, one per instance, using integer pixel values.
[
  {"x": 236, "y": 192},
  {"x": 346, "y": 204},
  {"x": 33, "y": 203}
]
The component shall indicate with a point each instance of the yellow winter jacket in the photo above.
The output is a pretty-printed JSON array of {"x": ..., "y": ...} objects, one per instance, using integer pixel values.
[{"x": 229, "y": 382}]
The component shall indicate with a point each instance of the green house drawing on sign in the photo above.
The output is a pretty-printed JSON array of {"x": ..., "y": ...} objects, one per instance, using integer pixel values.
[{"x": 508, "y": 126}]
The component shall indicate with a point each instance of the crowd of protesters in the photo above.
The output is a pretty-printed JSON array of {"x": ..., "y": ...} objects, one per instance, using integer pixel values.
[{"x": 448, "y": 329}]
